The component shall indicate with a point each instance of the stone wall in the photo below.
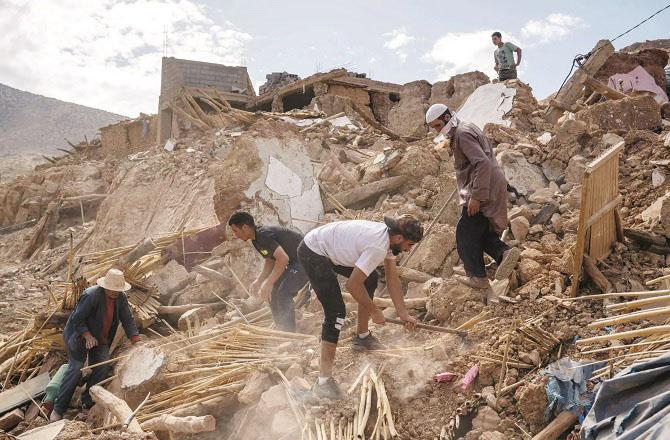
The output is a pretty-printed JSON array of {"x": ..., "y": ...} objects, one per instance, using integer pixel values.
[{"x": 128, "y": 137}]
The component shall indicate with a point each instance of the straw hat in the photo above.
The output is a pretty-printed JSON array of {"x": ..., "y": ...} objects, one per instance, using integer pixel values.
[{"x": 114, "y": 281}]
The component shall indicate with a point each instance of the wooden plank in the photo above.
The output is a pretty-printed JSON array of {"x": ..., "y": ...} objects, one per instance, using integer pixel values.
[
  {"x": 605, "y": 157},
  {"x": 581, "y": 238},
  {"x": 20, "y": 394},
  {"x": 47, "y": 432},
  {"x": 601, "y": 88},
  {"x": 572, "y": 89},
  {"x": 604, "y": 210}
]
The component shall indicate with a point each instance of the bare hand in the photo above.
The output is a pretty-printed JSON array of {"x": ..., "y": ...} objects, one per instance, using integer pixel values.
[
  {"x": 473, "y": 207},
  {"x": 410, "y": 321},
  {"x": 378, "y": 317},
  {"x": 90, "y": 341},
  {"x": 253, "y": 288},
  {"x": 266, "y": 292}
]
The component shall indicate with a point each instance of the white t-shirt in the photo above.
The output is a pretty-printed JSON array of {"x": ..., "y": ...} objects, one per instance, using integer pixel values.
[{"x": 351, "y": 243}]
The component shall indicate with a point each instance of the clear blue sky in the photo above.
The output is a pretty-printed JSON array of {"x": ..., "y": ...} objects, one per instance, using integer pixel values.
[{"x": 107, "y": 53}]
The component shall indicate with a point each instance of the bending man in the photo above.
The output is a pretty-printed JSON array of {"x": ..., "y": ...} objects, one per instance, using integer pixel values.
[
  {"x": 282, "y": 277},
  {"x": 482, "y": 188},
  {"x": 354, "y": 249}
]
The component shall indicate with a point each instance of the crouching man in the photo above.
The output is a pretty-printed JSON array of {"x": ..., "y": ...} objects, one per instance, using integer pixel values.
[
  {"x": 282, "y": 276},
  {"x": 88, "y": 333},
  {"x": 354, "y": 249}
]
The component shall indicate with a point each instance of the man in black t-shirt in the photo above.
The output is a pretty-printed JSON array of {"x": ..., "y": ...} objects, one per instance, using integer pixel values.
[{"x": 282, "y": 276}]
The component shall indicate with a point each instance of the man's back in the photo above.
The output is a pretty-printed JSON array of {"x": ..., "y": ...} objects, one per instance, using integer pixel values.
[{"x": 269, "y": 237}]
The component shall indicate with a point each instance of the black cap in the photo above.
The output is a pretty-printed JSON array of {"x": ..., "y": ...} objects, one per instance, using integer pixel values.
[{"x": 406, "y": 225}]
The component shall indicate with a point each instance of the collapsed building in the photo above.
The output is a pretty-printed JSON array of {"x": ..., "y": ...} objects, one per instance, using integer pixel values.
[{"x": 334, "y": 146}]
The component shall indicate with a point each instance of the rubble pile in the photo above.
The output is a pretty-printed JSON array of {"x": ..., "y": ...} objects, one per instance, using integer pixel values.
[{"x": 208, "y": 350}]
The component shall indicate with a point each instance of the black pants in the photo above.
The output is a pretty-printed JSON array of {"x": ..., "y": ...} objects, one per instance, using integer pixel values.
[
  {"x": 504, "y": 74},
  {"x": 474, "y": 236},
  {"x": 281, "y": 303},
  {"x": 322, "y": 274}
]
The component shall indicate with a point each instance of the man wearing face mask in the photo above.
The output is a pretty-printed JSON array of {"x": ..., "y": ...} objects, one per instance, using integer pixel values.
[
  {"x": 482, "y": 189},
  {"x": 354, "y": 249}
]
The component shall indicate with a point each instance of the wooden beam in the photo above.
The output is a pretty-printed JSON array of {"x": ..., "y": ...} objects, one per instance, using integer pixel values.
[
  {"x": 558, "y": 426},
  {"x": 572, "y": 89},
  {"x": 116, "y": 406},
  {"x": 596, "y": 275},
  {"x": 188, "y": 424},
  {"x": 601, "y": 88},
  {"x": 603, "y": 210},
  {"x": 23, "y": 392}
]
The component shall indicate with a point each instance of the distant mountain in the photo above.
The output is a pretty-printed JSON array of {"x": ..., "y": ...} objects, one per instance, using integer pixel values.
[{"x": 32, "y": 123}]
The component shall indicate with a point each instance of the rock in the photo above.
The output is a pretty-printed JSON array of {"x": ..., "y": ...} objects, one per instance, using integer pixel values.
[
  {"x": 532, "y": 403},
  {"x": 456, "y": 90},
  {"x": 557, "y": 222},
  {"x": 571, "y": 132},
  {"x": 657, "y": 215},
  {"x": 657, "y": 178},
  {"x": 283, "y": 423},
  {"x": 416, "y": 163},
  {"x": 299, "y": 384},
  {"x": 611, "y": 139},
  {"x": 171, "y": 278},
  {"x": 544, "y": 138},
  {"x": 574, "y": 173},
  {"x": 634, "y": 112},
  {"x": 525, "y": 177},
  {"x": 520, "y": 226},
  {"x": 535, "y": 229},
  {"x": 486, "y": 419},
  {"x": 553, "y": 169},
  {"x": 544, "y": 195},
  {"x": 492, "y": 435},
  {"x": 528, "y": 270},
  {"x": 256, "y": 385},
  {"x": 573, "y": 197},
  {"x": 434, "y": 250},
  {"x": 274, "y": 399},
  {"x": 295, "y": 370},
  {"x": 407, "y": 117},
  {"x": 447, "y": 295},
  {"x": 9, "y": 420}
]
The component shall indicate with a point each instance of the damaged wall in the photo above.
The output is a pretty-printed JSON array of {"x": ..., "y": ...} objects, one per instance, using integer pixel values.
[{"x": 128, "y": 137}]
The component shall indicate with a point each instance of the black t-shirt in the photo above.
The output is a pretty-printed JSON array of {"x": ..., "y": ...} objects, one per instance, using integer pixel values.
[{"x": 269, "y": 237}]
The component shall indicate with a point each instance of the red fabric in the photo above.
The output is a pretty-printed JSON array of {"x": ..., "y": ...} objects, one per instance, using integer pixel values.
[
  {"x": 107, "y": 319},
  {"x": 135, "y": 339}
]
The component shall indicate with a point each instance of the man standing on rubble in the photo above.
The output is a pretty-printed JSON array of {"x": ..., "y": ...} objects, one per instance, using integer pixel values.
[
  {"x": 282, "y": 276},
  {"x": 354, "y": 249},
  {"x": 89, "y": 331},
  {"x": 482, "y": 189},
  {"x": 504, "y": 57}
]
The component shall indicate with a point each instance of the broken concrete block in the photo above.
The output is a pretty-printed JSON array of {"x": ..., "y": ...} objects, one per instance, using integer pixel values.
[
  {"x": 525, "y": 177},
  {"x": 634, "y": 112},
  {"x": 520, "y": 226},
  {"x": 256, "y": 385}
]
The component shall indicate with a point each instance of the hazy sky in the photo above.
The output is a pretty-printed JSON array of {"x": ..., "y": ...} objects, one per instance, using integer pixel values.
[{"x": 106, "y": 54}]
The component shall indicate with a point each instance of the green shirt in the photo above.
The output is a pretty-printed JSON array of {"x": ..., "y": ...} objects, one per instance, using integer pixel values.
[{"x": 504, "y": 56}]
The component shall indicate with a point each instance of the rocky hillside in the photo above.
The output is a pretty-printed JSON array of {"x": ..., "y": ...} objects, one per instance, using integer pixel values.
[{"x": 32, "y": 123}]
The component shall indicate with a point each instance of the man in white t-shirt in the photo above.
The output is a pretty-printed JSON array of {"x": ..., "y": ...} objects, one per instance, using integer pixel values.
[{"x": 354, "y": 249}]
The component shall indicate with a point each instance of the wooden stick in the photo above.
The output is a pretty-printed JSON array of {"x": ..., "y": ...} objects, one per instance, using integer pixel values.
[
  {"x": 637, "y": 304},
  {"x": 558, "y": 426},
  {"x": 239, "y": 281},
  {"x": 433, "y": 328},
  {"x": 657, "y": 280},
  {"x": 618, "y": 294},
  {"x": 626, "y": 335},
  {"x": 630, "y": 317},
  {"x": 118, "y": 407}
]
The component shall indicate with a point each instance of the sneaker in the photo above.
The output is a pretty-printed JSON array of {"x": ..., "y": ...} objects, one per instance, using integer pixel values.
[
  {"x": 481, "y": 283},
  {"x": 367, "y": 343},
  {"x": 55, "y": 416},
  {"x": 328, "y": 390},
  {"x": 508, "y": 263}
]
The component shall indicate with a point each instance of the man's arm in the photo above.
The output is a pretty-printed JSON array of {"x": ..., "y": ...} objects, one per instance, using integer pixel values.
[
  {"x": 127, "y": 320},
  {"x": 518, "y": 55},
  {"x": 268, "y": 265},
  {"x": 495, "y": 60},
  {"x": 481, "y": 180},
  {"x": 357, "y": 289},
  {"x": 280, "y": 262},
  {"x": 81, "y": 313},
  {"x": 395, "y": 292}
]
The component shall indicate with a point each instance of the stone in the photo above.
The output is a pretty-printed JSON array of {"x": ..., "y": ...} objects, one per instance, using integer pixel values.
[
  {"x": 274, "y": 399},
  {"x": 407, "y": 117},
  {"x": 416, "y": 163},
  {"x": 492, "y": 435},
  {"x": 520, "y": 226},
  {"x": 633, "y": 112},
  {"x": 544, "y": 195},
  {"x": 535, "y": 229},
  {"x": 611, "y": 139},
  {"x": 574, "y": 173},
  {"x": 657, "y": 178},
  {"x": 446, "y": 295},
  {"x": 525, "y": 177},
  {"x": 456, "y": 90},
  {"x": 486, "y": 419},
  {"x": 657, "y": 215},
  {"x": 9, "y": 420},
  {"x": 171, "y": 278},
  {"x": 529, "y": 270},
  {"x": 299, "y": 384},
  {"x": 283, "y": 423},
  {"x": 256, "y": 385},
  {"x": 557, "y": 222},
  {"x": 434, "y": 250},
  {"x": 570, "y": 132},
  {"x": 295, "y": 370},
  {"x": 532, "y": 403},
  {"x": 553, "y": 169},
  {"x": 544, "y": 138}
]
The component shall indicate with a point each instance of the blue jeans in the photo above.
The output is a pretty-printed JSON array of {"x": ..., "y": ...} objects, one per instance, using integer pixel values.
[{"x": 76, "y": 354}]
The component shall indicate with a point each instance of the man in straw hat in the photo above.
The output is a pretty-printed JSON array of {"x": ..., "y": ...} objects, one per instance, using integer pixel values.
[
  {"x": 354, "y": 249},
  {"x": 482, "y": 188},
  {"x": 89, "y": 331}
]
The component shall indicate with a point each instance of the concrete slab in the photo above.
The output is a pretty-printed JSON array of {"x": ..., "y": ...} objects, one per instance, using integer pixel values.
[{"x": 488, "y": 103}]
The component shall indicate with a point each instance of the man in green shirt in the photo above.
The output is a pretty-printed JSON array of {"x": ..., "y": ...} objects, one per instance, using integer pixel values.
[{"x": 504, "y": 58}]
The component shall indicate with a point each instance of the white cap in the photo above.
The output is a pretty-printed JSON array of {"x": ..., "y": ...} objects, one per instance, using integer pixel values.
[{"x": 435, "y": 111}]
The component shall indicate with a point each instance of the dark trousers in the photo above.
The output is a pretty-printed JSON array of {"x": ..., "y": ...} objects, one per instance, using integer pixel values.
[
  {"x": 76, "y": 355},
  {"x": 285, "y": 289},
  {"x": 504, "y": 74},
  {"x": 474, "y": 236},
  {"x": 322, "y": 274}
]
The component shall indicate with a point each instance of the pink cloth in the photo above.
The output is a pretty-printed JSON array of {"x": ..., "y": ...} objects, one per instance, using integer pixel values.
[{"x": 638, "y": 80}]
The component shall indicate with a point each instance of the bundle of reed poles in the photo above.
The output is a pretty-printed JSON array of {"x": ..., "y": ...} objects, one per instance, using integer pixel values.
[
  {"x": 217, "y": 363},
  {"x": 373, "y": 405}
]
